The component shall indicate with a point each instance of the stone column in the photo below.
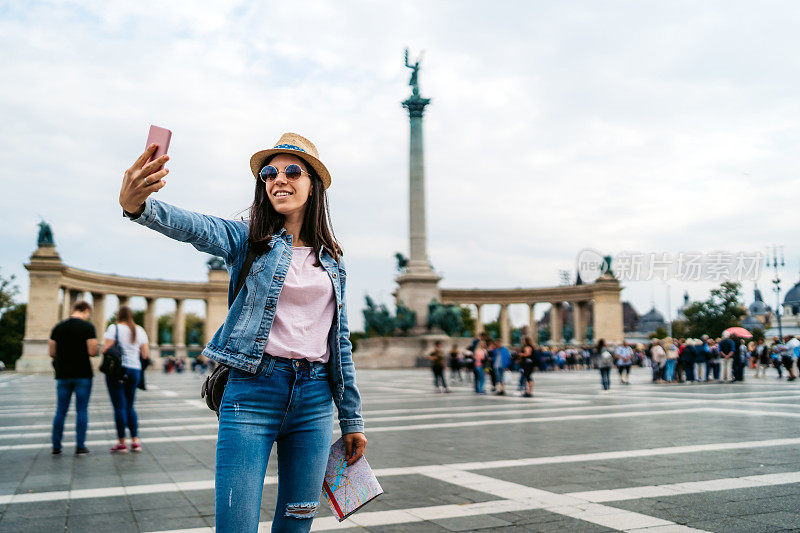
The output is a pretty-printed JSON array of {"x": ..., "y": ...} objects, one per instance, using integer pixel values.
[
  {"x": 123, "y": 299},
  {"x": 99, "y": 314},
  {"x": 533, "y": 331},
  {"x": 65, "y": 310},
  {"x": 556, "y": 324},
  {"x": 151, "y": 329},
  {"x": 216, "y": 303},
  {"x": 578, "y": 325},
  {"x": 478, "y": 320},
  {"x": 607, "y": 310},
  {"x": 42, "y": 310},
  {"x": 505, "y": 326},
  {"x": 74, "y": 296},
  {"x": 179, "y": 329},
  {"x": 99, "y": 321},
  {"x": 418, "y": 285}
]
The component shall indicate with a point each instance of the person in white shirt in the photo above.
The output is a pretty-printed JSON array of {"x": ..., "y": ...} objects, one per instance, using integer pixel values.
[{"x": 135, "y": 347}]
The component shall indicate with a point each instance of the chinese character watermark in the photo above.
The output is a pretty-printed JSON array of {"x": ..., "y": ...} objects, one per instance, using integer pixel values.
[{"x": 714, "y": 266}]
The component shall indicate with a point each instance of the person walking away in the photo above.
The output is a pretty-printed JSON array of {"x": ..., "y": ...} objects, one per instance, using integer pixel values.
[
  {"x": 480, "y": 375},
  {"x": 527, "y": 365},
  {"x": 502, "y": 360},
  {"x": 788, "y": 356},
  {"x": 726, "y": 350},
  {"x": 437, "y": 365},
  {"x": 135, "y": 347},
  {"x": 455, "y": 364},
  {"x": 72, "y": 342},
  {"x": 624, "y": 357},
  {"x": 604, "y": 362},
  {"x": 659, "y": 361}
]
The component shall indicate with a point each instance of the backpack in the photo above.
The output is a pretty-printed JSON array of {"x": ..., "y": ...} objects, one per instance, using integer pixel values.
[{"x": 214, "y": 385}]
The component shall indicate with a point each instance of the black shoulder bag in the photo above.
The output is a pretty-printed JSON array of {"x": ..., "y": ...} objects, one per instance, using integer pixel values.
[
  {"x": 214, "y": 385},
  {"x": 112, "y": 359}
]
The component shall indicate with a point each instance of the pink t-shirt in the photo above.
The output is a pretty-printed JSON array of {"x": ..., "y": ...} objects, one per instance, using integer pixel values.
[{"x": 305, "y": 309}]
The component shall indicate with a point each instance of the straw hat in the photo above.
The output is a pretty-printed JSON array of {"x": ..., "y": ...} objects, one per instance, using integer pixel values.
[{"x": 297, "y": 145}]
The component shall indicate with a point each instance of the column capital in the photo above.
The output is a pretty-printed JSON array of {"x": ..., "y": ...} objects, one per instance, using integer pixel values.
[{"x": 416, "y": 105}]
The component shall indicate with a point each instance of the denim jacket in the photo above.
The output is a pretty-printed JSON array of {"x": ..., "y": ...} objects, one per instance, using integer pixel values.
[{"x": 240, "y": 341}]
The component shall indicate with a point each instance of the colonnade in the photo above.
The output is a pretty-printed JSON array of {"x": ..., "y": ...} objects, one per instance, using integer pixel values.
[
  {"x": 597, "y": 304},
  {"x": 99, "y": 312},
  {"x": 55, "y": 287},
  {"x": 581, "y": 316}
]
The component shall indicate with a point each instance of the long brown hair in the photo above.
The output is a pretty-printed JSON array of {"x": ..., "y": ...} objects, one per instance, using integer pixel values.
[
  {"x": 316, "y": 230},
  {"x": 125, "y": 316}
]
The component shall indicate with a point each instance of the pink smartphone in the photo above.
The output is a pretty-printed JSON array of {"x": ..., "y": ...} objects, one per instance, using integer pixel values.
[{"x": 161, "y": 137}]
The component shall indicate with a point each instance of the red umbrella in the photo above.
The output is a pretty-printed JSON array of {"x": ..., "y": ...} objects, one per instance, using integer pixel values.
[{"x": 738, "y": 332}]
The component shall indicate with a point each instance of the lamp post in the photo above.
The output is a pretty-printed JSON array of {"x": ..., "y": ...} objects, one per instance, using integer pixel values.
[{"x": 776, "y": 282}]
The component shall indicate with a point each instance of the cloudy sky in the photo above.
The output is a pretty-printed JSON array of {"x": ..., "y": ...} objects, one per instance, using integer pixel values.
[{"x": 554, "y": 126}]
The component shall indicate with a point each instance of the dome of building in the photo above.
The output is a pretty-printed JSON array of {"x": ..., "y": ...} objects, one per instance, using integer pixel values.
[
  {"x": 651, "y": 321},
  {"x": 751, "y": 323},
  {"x": 793, "y": 296}
]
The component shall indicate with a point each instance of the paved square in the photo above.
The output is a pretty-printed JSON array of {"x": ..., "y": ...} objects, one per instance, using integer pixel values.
[{"x": 644, "y": 458}]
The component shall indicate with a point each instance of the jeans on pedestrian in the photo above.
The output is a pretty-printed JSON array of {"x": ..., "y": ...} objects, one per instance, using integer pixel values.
[
  {"x": 82, "y": 387},
  {"x": 669, "y": 371},
  {"x": 480, "y": 377},
  {"x": 438, "y": 377},
  {"x": 605, "y": 377},
  {"x": 123, "y": 394},
  {"x": 288, "y": 402}
]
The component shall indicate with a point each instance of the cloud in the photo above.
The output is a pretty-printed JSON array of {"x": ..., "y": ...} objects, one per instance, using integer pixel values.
[{"x": 552, "y": 127}]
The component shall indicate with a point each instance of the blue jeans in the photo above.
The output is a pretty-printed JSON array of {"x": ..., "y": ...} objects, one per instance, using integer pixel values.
[
  {"x": 480, "y": 378},
  {"x": 286, "y": 401},
  {"x": 82, "y": 387},
  {"x": 605, "y": 377},
  {"x": 669, "y": 372},
  {"x": 123, "y": 394}
]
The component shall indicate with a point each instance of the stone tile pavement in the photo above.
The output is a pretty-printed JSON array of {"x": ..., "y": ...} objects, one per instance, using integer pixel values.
[{"x": 654, "y": 458}]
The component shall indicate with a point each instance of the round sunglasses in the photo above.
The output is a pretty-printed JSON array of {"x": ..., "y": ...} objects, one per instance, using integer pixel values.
[{"x": 269, "y": 173}]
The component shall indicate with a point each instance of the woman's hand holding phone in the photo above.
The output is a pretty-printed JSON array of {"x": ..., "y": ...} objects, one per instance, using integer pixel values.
[{"x": 141, "y": 180}]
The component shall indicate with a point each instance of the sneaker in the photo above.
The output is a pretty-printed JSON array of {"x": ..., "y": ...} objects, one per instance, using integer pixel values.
[
  {"x": 136, "y": 447},
  {"x": 82, "y": 451},
  {"x": 447, "y": 391},
  {"x": 56, "y": 451},
  {"x": 120, "y": 448}
]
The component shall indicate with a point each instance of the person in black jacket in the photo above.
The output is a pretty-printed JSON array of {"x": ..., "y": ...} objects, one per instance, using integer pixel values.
[{"x": 72, "y": 342}]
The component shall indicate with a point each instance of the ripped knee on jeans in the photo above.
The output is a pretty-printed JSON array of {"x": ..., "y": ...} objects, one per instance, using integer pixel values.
[{"x": 302, "y": 510}]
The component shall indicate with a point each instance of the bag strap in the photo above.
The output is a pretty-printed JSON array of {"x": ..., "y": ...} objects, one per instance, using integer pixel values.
[{"x": 248, "y": 262}]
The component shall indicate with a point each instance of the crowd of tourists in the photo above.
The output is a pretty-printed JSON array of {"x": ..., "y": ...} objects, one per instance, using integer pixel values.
[
  {"x": 125, "y": 349},
  {"x": 725, "y": 359}
]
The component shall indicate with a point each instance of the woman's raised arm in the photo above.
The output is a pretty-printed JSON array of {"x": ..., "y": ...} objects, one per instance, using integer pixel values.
[{"x": 209, "y": 234}]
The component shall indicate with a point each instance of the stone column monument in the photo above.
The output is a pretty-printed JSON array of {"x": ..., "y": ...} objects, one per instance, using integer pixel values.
[
  {"x": 42, "y": 314},
  {"x": 418, "y": 285}
]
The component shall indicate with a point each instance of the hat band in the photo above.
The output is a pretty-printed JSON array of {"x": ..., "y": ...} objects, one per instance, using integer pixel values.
[{"x": 290, "y": 147}]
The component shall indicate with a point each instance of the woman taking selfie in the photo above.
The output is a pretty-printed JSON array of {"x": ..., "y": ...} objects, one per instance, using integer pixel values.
[{"x": 285, "y": 338}]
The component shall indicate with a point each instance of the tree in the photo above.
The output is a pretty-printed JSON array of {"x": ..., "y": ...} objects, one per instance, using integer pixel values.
[
  {"x": 468, "y": 321},
  {"x": 721, "y": 311},
  {"x": 659, "y": 333},
  {"x": 12, "y": 329},
  {"x": 8, "y": 290}
]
